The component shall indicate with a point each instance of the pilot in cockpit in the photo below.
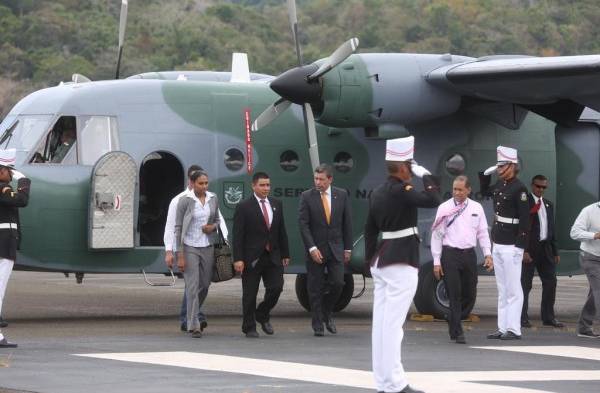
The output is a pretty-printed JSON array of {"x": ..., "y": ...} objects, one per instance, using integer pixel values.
[{"x": 67, "y": 138}]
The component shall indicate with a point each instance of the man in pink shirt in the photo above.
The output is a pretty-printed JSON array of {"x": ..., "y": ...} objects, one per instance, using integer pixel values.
[{"x": 459, "y": 224}]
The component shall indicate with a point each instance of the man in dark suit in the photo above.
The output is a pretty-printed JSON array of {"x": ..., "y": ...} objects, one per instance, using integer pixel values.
[
  {"x": 326, "y": 228},
  {"x": 540, "y": 253},
  {"x": 260, "y": 250}
]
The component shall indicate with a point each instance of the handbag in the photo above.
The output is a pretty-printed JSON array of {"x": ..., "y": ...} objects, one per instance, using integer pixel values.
[{"x": 223, "y": 269}]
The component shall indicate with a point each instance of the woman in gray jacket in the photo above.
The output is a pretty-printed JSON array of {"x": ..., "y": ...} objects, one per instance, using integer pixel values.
[{"x": 196, "y": 226}]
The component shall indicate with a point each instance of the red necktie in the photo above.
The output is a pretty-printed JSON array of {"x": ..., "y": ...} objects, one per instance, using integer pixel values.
[
  {"x": 535, "y": 208},
  {"x": 263, "y": 205}
]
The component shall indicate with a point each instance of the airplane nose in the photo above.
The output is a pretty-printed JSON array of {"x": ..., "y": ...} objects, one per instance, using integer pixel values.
[{"x": 293, "y": 85}]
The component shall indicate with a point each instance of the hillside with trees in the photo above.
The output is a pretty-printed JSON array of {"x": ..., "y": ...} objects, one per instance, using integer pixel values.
[{"x": 43, "y": 42}]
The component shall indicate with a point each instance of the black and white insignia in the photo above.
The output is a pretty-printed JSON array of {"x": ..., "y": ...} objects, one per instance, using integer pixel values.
[{"x": 523, "y": 196}]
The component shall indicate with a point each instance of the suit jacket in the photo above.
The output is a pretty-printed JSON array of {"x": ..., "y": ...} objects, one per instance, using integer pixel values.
[
  {"x": 534, "y": 229},
  {"x": 10, "y": 202},
  {"x": 316, "y": 232},
  {"x": 251, "y": 235},
  {"x": 392, "y": 207},
  {"x": 183, "y": 218}
]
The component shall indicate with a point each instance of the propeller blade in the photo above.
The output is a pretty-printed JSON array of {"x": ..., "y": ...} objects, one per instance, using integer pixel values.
[
  {"x": 340, "y": 54},
  {"x": 311, "y": 135},
  {"x": 294, "y": 24},
  {"x": 270, "y": 114},
  {"x": 122, "y": 25}
]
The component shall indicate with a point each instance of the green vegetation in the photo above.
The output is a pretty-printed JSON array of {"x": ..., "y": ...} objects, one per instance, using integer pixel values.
[{"x": 45, "y": 41}]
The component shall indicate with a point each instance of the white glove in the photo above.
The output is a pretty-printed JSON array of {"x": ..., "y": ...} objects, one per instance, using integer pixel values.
[
  {"x": 490, "y": 170},
  {"x": 418, "y": 170},
  {"x": 16, "y": 174}
]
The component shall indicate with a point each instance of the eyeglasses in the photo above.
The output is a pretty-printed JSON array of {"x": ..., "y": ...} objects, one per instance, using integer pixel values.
[{"x": 540, "y": 186}]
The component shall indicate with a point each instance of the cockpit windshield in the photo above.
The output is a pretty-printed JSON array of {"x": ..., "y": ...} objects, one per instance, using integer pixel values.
[{"x": 23, "y": 132}]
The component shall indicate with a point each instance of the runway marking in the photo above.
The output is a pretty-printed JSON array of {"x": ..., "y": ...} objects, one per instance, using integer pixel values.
[
  {"x": 447, "y": 381},
  {"x": 556, "y": 350}
]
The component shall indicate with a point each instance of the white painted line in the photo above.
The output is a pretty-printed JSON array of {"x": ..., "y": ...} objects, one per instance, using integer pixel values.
[
  {"x": 564, "y": 351},
  {"x": 446, "y": 382}
]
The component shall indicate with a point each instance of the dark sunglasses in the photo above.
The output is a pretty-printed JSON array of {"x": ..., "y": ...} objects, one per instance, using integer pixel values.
[{"x": 542, "y": 187}]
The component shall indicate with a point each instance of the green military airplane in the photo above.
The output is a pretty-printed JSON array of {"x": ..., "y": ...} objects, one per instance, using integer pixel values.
[{"x": 106, "y": 157}]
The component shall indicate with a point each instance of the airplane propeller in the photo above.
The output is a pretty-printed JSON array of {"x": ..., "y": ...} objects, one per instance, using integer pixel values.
[
  {"x": 122, "y": 25},
  {"x": 301, "y": 86}
]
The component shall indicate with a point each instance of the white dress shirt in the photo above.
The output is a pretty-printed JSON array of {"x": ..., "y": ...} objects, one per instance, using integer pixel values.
[
  {"x": 543, "y": 217},
  {"x": 267, "y": 205},
  {"x": 585, "y": 227},
  {"x": 169, "y": 235},
  {"x": 194, "y": 236}
]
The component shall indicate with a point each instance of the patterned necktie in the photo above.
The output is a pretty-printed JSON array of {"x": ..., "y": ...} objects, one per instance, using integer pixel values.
[
  {"x": 535, "y": 208},
  {"x": 265, "y": 214},
  {"x": 263, "y": 206},
  {"x": 326, "y": 207}
]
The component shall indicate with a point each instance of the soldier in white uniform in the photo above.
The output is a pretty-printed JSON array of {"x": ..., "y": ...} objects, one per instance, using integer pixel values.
[
  {"x": 509, "y": 239},
  {"x": 10, "y": 201},
  {"x": 394, "y": 261}
]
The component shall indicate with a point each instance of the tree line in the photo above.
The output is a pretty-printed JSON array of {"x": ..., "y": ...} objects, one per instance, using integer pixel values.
[{"x": 44, "y": 42}]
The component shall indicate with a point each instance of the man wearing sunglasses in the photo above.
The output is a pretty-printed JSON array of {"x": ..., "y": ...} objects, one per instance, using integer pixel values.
[
  {"x": 540, "y": 254},
  {"x": 509, "y": 239}
]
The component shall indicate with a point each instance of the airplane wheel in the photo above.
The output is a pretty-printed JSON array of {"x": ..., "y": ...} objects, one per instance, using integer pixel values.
[
  {"x": 343, "y": 301},
  {"x": 431, "y": 297}
]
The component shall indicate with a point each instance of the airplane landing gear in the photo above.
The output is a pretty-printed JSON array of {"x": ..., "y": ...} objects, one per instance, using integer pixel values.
[{"x": 343, "y": 301}]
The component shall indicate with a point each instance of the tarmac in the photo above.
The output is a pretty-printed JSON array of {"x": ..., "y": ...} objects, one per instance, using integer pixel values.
[{"x": 114, "y": 333}]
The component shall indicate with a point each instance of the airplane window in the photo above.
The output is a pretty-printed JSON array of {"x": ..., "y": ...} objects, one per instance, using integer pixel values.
[
  {"x": 234, "y": 159},
  {"x": 23, "y": 132},
  {"x": 57, "y": 146},
  {"x": 289, "y": 161},
  {"x": 98, "y": 137},
  {"x": 455, "y": 165},
  {"x": 343, "y": 162}
]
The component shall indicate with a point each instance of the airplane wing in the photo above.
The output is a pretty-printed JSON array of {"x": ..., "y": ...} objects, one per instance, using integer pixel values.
[{"x": 555, "y": 87}]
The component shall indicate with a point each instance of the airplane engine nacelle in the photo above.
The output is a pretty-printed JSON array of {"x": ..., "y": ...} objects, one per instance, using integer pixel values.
[{"x": 369, "y": 90}]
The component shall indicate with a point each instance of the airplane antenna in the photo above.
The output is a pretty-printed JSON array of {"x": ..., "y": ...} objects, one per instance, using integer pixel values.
[{"x": 122, "y": 25}]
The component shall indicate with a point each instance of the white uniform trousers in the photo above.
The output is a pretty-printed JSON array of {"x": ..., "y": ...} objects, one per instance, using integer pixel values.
[
  {"x": 395, "y": 287},
  {"x": 6, "y": 266},
  {"x": 508, "y": 260}
]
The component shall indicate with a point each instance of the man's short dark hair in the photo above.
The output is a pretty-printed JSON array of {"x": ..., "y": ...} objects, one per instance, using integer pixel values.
[
  {"x": 326, "y": 169},
  {"x": 192, "y": 169},
  {"x": 196, "y": 174},
  {"x": 538, "y": 177},
  {"x": 259, "y": 175},
  {"x": 464, "y": 179}
]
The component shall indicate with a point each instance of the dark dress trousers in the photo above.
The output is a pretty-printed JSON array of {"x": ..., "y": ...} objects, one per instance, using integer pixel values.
[
  {"x": 542, "y": 252},
  {"x": 393, "y": 207},
  {"x": 331, "y": 240},
  {"x": 261, "y": 248}
]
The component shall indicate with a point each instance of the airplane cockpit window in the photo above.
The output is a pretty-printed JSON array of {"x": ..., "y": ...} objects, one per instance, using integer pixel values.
[
  {"x": 98, "y": 137},
  {"x": 23, "y": 132},
  {"x": 289, "y": 161},
  {"x": 343, "y": 162},
  {"x": 57, "y": 147},
  {"x": 234, "y": 159}
]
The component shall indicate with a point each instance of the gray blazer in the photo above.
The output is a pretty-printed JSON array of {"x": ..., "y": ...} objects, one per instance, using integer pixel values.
[{"x": 185, "y": 210}]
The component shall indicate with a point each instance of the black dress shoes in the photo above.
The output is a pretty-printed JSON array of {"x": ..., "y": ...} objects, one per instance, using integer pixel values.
[
  {"x": 3, "y": 323},
  {"x": 330, "y": 325},
  {"x": 319, "y": 332},
  {"x": 525, "y": 323},
  {"x": 196, "y": 334},
  {"x": 408, "y": 389},
  {"x": 183, "y": 327},
  {"x": 554, "y": 323},
  {"x": 267, "y": 328},
  {"x": 252, "y": 334},
  {"x": 510, "y": 336},
  {"x": 460, "y": 339},
  {"x": 5, "y": 344},
  {"x": 203, "y": 325},
  {"x": 496, "y": 335}
]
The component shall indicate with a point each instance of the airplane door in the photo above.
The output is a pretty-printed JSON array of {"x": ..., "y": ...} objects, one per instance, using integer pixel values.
[{"x": 111, "y": 205}]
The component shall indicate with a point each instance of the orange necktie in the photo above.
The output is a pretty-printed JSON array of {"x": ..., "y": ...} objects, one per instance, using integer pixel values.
[{"x": 326, "y": 207}]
